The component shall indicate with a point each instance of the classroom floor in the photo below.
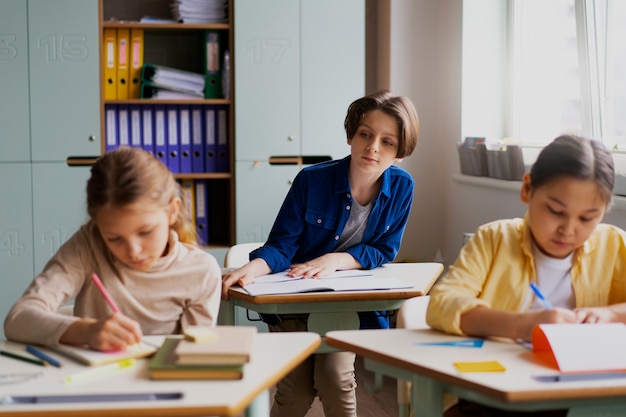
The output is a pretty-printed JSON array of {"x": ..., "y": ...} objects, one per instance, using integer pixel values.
[{"x": 380, "y": 404}]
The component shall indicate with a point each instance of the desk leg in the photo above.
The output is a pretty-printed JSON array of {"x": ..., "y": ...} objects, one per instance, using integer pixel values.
[
  {"x": 322, "y": 322},
  {"x": 426, "y": 397},
  {"x": 260, "y": 407},
  {"x": 226, "y": 315},
  {"x": 404, "y": 397}
]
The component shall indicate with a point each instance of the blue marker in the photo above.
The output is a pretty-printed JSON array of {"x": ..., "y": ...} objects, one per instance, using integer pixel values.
[
  {"x": 32, "y": 350},
  {"x": 540, "y": 296}
]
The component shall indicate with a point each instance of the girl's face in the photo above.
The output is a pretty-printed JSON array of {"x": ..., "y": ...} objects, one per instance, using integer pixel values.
[
  {"x": 374, "y": 146},
  {"x": 562, "y": 213},
  {"x": 137, "y": 234}
]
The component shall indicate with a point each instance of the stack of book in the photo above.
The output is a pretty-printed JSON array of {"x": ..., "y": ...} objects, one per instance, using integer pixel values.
[
  {"x": 201, "y": 11},
  {"x": 222, "y": 354}
]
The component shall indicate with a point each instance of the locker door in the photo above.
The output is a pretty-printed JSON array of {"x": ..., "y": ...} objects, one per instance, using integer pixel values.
[
  {"x": 64, "y": 78},
  {"x": 14, "y": 111},
  {"x": 59, "y": 206},
  {"x": 267, "y": 76},
  {"x": 16, "y": 233}
]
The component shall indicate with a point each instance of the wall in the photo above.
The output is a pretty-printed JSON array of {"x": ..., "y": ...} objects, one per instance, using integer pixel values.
[{"x": 425, "y": 66}]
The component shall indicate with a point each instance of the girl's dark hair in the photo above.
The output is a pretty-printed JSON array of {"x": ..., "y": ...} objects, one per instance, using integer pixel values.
[
  {"x": 400, "y": 108},
  {"x": 126, "y": 175},
  {"x": 577, "y": 157}
]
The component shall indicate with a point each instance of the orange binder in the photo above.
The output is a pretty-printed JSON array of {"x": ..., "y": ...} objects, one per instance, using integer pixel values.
[
  {"x": 110, "y": 67},
  {"x": 136, "y": 62},
  {"x": 123, "y": 56}
]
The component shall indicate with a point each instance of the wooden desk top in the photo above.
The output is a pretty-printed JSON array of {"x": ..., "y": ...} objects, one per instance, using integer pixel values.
[
  {"x": 421, "y": 275},
  {"x": 400, "y": 348},
  {"x": 275, "y": 354}
]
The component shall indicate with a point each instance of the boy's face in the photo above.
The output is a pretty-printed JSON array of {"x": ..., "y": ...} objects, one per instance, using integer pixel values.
[
  {"x": 137, "y": 234},
  {"x": 375, "y": 143},
  {"x": 562, "y": 213}
]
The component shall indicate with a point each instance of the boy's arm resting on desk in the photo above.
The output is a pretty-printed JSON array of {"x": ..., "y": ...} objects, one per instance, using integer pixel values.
[
  {"x": 244, "y": 275},
  {"x": 325, "y": 265}
]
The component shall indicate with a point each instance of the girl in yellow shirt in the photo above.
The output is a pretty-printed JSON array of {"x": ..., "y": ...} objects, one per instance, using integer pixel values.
[{"x": 560, "y": 245}]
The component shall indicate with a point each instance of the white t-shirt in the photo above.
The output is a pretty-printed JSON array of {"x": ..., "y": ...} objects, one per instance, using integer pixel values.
[{"x": 554, "y": 281}]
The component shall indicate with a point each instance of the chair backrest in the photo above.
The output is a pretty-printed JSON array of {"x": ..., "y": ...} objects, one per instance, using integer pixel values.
[
  {"x": 412, "y": 313},
  {"x": 237, "y": 255}
]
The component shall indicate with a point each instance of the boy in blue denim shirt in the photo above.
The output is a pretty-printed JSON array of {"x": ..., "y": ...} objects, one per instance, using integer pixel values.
[{"x": 343, "y": 214}]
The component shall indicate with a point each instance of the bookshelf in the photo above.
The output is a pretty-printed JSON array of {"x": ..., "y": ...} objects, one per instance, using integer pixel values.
[{"x": 181, "y": 46}]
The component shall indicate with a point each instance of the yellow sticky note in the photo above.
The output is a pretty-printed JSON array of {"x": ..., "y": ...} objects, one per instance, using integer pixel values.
[{"x": 487, "y": 366}]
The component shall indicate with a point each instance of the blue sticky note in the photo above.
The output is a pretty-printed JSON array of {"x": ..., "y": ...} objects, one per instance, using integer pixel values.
[{"x": 472, "y": 343}]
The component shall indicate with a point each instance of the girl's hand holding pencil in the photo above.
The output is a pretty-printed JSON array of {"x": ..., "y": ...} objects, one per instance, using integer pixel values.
[{"x": 114, "y": 332}]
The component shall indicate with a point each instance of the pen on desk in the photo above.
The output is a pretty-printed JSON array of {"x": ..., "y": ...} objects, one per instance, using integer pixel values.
[
  {"x": 540, "y": 296},
  {"x": 104, "y": 292},
  {"x": 43, "y": 356},
  {"x": 23, "y": 358},
  {"x": 98, "y": 371}
]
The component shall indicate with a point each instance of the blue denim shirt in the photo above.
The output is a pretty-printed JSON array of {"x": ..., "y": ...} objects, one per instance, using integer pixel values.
[{"x": 317, "y": 208}]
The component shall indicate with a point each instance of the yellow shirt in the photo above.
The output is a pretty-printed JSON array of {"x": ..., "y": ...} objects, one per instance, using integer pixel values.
[{"x": 495, "y": 268}]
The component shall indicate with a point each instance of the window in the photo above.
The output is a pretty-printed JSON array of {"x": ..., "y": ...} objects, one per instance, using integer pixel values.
[
  {"x": 534, "y": 69},
  {"x": 567, "y": 68}
]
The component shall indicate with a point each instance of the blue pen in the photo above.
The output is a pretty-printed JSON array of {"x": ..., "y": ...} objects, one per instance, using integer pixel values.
[
  {"x": 34, "y": 351},
  {"x": 540, "y": 296}
]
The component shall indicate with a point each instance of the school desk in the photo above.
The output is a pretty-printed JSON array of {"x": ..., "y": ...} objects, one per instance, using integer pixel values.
[
  {"x": 337, "y": 310},
  {"x": 129, "y": 392},
  {"x": 406, "y": 354}
]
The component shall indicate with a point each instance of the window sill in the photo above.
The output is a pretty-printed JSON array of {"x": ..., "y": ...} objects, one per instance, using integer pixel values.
[{"x": 487, "y": 182}]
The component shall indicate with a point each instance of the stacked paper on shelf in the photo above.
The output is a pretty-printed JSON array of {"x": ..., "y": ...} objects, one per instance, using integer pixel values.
[
  {"x": 151, "y": 91},
  {"x": 201, "y": 11},
  {"x": 173, "y": 79}
]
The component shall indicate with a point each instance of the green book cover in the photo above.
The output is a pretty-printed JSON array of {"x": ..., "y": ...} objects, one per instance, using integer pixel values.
[{"x": 163, "y": 366}]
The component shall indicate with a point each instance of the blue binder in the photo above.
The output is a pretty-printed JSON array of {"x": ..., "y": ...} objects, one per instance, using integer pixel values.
[
  {"x": 223, "y": 156},
  {"x": 110, "y": 120},
  {"x": 135, "y": 126},
  {"x": 173, "y": 140},
  {"x": 210, "y": 145},
  {"x": 184, "y": 138},
  {"x": 160, "y": 133},
  {"x": 202, "y": 212},
  {"x": 147, "y": 130},
  {"x": 197, "y": 139},
  {"x": 123, "y": 125}
]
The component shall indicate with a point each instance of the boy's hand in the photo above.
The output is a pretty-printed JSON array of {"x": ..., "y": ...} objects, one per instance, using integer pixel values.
[
  {"x": 323, "y": 266},
  {"x": 244, "y": 275}
]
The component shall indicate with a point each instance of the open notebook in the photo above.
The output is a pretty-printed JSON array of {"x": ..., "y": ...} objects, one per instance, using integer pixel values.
[
  {"x": 581, "y": 347},
  {"x": 349, "y": 280},
  {"x": 95, "y": 358}
]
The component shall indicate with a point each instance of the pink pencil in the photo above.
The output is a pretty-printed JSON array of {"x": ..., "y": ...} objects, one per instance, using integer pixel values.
[{"x": 104, "y": 292}]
